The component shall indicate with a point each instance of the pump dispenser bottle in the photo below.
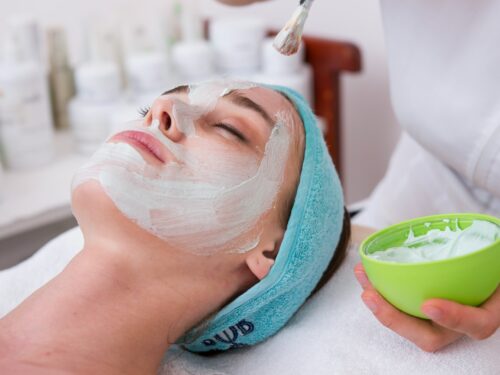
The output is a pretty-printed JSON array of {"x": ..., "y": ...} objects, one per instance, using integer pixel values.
[
  {"x": 26, "y": 132},
  {"x": 62, "y": 86}
]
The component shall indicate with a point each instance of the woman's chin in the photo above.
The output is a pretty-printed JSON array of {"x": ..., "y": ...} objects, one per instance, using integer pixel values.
[{"x": 89, "y": 202}]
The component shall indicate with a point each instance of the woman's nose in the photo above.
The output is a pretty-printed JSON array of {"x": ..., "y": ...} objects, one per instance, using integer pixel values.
[{"x": 162, "y": 111}]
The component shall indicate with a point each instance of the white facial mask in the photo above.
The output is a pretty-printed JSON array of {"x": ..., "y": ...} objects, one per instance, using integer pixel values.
[
  {"x": 208, "y": 199},
  {"x": 442, "y": 244}
]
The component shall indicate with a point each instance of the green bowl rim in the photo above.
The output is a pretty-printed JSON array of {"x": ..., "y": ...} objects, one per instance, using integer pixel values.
[{"x": 416, "y": 221}]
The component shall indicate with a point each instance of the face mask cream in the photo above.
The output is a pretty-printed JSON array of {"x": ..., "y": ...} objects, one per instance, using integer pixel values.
[
  {"x": 442, "y": 244},
  {"x": 208, "y": 197}
]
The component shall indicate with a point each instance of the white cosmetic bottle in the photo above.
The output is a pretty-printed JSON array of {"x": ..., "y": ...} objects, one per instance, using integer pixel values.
[
  {"x": 61, "y": 78},
  {"x": 147, "y": 70},
  {"x": 290, "y": 71},
  {"x": 193, "y": 57},
  {"x": 26, "y": 131},
  {"x": 98, "y": 89},
  {"x": 1, "y": 183}
]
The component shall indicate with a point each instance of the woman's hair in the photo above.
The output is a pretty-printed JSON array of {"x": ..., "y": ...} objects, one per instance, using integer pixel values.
[{"x": 339, "y": 255}]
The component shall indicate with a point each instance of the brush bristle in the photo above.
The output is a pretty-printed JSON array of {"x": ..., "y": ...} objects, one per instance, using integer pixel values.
[{"x": 287, "y": 42}]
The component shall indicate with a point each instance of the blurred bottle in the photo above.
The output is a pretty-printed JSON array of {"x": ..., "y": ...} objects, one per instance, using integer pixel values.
[
  {"x": 192, "y": 56},
  {"x": 26, "y": 131},
  {"x": 237, "y": 43},
  {"x": 62, "y": 86},
  {"x": 1, "y": 182},
  {"x": 147, "y": 69},
  {"x": 174, "y": 32},
  {"x": 98, "y": 85}
]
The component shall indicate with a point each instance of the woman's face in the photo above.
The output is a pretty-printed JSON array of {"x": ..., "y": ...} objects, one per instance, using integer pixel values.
[{"x": 205, "y": 168}]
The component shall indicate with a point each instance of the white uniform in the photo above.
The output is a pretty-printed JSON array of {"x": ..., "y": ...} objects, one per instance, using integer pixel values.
[{"x": 444, "y": 67}]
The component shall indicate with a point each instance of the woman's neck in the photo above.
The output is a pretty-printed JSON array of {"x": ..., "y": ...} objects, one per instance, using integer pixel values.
[{"x": 111, "y": 312}]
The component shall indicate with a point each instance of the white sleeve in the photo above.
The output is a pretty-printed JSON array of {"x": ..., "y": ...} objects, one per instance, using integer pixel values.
[
  {"x": 445, "y": 82},
  {"x": 418, "y": 184}
]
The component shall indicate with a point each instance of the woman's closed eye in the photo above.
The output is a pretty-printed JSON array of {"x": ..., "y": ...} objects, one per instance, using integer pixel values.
[
  {"x": 228, "y": 128},
  {"x": 232, "y": 131}
]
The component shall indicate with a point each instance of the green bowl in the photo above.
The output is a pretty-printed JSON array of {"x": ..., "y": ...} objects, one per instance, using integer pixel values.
[{"x": 468, "y": 279}]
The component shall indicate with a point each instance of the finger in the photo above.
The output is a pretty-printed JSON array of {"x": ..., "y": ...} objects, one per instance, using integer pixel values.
[
  {"x": 424, "y": 334},
  {"x": 361, "y": 276},
  {"x": 493, "y": 305},
  {"x": 476, "y": 322}
]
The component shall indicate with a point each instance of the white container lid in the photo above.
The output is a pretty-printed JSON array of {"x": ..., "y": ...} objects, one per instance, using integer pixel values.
[
  {"x": 274, "y": 62},
  {"x": 98, "y": 81},
  {"x": 194, "y": 60},
  {"x": 229, "y": 30}
]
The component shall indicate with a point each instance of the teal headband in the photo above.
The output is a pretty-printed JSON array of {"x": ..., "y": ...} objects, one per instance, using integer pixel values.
[{"x": 311, "y": 237}]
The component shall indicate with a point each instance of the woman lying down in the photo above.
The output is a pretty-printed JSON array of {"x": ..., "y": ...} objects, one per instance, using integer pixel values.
[
  {"x": 220, "y": 212},
  {"x": 208, "y": 224}
]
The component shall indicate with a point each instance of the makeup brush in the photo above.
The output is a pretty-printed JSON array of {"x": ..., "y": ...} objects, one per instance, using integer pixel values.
[{"x": 287, "y": 42}]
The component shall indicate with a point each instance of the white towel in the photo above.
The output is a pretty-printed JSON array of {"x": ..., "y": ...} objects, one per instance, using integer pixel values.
[{"x": 332, "y": 334}]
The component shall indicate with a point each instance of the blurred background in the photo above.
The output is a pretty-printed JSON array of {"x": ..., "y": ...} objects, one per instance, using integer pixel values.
[{"x": 72, "y": 71}]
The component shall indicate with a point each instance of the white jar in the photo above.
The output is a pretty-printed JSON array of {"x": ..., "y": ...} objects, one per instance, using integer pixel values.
[
  {"x": 237, "y": 44},
  {"x": 147, "y": 72},
  {"x": 98, "y": 81},
  {"x": 194, "y": 60},
  {"x": 25, "y": 120}
]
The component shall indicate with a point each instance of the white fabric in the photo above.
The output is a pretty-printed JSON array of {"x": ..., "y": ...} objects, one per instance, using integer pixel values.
[
  {"x": 332, "y": 334},
  {"x": 444, "y": 60},
  {"x": 418, "y": 184},
  {"x": 18, "y": 282}
]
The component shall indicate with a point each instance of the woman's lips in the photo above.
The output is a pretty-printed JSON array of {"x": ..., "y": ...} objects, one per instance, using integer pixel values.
[{"x": 144, "y": 142}]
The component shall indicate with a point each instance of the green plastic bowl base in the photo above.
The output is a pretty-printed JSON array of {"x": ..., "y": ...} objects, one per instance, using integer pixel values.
[{"x": 469, "y": 279}]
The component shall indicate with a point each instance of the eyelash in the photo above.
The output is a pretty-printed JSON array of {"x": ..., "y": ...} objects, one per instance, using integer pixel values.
[{"x": 143, "y": 111}]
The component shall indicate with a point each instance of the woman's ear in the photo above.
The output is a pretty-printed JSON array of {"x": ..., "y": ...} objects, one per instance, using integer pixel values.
[
  {"x": 260, "y": 260},
  {"x": 259, "y": 264}
]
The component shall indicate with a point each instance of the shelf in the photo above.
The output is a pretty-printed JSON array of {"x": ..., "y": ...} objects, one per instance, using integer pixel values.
[{"x": 36, "y": 197}]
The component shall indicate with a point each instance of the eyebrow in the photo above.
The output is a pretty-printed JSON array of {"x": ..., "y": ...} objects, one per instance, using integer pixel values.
[
  {"x": 177, "y": 90},
  {"x": 242, "y": 101}
]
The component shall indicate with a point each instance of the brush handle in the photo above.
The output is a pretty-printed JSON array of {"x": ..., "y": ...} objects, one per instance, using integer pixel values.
[{"x": 306, "y": 3}]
